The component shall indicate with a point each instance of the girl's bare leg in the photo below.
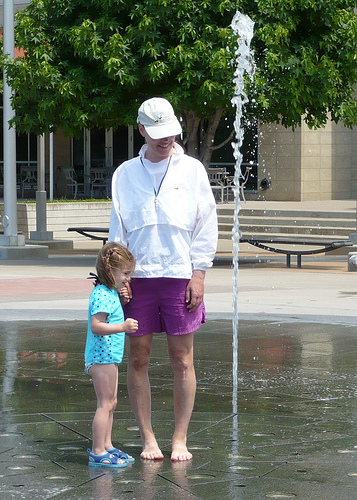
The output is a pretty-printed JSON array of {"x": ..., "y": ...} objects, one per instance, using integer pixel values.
[{"x": 105, "y": 381}]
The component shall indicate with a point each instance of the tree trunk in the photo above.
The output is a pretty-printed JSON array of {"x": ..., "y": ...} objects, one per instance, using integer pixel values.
[
  {"x": 191, "y": 124},
  {"x": 208, "y": 139},
  {"x": 200, "y": 134}
]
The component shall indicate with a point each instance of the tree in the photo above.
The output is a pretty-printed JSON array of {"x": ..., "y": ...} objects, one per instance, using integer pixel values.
[
  {"x": 306, "y": 54},
  {"x": 91, "y": 63}
]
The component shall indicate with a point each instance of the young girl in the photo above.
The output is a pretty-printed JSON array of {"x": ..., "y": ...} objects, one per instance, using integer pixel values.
[{"x": 105, "y": 347}]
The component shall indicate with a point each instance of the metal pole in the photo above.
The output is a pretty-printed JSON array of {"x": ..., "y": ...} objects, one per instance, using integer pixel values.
[
  {"x": 9, "y": 221},
  {"x": 41, "y": 163},
  {"x": 51, "y": 166}
]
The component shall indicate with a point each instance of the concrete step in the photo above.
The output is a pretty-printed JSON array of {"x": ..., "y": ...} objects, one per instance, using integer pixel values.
[
  {"x": 289, "y": 229},
  {"x": 333, "y": 219},
  {"x": 297, "y": 214},
  {"x": 325, "y": 234},
  {"x": 287, "y": 222},
  {"x": 228, "y": 210},
  {"x": 290, "y": 221}
]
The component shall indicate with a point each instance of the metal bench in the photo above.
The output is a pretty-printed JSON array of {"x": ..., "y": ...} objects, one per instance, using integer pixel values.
[
  {"x": 100, "y": 233},
  {"x": 269, "y": 243},
  {"x": 264, "y": 242}
]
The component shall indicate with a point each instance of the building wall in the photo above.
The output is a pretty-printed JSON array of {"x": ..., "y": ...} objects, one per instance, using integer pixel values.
[
  {"x": 307, "y": 165},
  {"x": 279, "y": 159},
  {"x": 344, "y": 162},
  {"x": 18, "y": 5},
  {"x": 327, "y": 163}
]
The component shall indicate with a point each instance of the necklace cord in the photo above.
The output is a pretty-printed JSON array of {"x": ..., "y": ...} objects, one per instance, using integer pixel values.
[{"x": 156, "y": 192}]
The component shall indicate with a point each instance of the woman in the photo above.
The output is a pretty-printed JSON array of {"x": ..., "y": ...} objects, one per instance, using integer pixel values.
[{"x": 164, "y": 211}]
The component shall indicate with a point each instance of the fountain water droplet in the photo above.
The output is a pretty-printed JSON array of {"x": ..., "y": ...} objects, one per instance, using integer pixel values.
[{"x": 242, "y": 27}]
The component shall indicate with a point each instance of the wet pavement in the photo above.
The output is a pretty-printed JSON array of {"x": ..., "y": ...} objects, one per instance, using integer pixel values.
[{"x": 283, "y": 426}]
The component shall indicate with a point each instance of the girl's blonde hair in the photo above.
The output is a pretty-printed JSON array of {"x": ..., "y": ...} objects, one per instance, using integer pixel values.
[{"x": 112, "y": 256}]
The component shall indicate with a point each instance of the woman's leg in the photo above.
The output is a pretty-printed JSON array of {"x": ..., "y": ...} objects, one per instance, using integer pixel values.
[
  {"x": 181, "y": 356},
  {"x": 105, "y": 381},
  {"x": 140, "y": 392}
]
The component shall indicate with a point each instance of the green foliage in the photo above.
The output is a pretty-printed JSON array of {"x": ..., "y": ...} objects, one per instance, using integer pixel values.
[
  {"x": 306, "y": 54},
  {"x": 92, "y": 62}
]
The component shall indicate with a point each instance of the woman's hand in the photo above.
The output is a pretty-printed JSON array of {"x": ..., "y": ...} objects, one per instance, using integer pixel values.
[{"x": 195, "y": 290}]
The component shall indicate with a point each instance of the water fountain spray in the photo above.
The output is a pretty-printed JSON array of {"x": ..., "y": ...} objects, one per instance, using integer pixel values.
[{"x": 242, "y": 26}]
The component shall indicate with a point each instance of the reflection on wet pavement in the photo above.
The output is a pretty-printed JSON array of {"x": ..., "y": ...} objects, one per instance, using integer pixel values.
[{"x": 294, "y": 435}]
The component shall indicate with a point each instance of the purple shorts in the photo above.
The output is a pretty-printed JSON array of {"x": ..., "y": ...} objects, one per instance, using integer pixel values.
[{"x": 159, "y": 306}]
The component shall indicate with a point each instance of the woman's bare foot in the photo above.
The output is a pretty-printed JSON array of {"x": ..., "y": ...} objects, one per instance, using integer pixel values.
[
  {"x": 152, "y": 452},
  {"x": 180, "y": 453}
]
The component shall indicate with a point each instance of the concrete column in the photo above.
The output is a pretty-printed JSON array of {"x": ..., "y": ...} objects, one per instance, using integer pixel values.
[{"x": 41, "y": 233}]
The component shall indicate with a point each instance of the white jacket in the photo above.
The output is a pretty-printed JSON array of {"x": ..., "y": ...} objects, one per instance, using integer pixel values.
[{"x": 171, "y": 233}]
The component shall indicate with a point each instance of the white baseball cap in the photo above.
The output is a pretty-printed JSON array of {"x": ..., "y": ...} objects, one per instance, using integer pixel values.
[{"x": 158, "y": 117}]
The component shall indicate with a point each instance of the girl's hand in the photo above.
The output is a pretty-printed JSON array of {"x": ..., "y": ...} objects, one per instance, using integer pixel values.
[
  {"x": 130, "y": 325},
  {"x": 125, "y": 294},
  {"x": 100, "y": 327}
]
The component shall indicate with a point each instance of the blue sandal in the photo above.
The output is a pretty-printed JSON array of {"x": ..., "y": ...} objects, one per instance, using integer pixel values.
[
  {"x": 122, "y": 455},
  {"x": 106, "y": 460}
]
